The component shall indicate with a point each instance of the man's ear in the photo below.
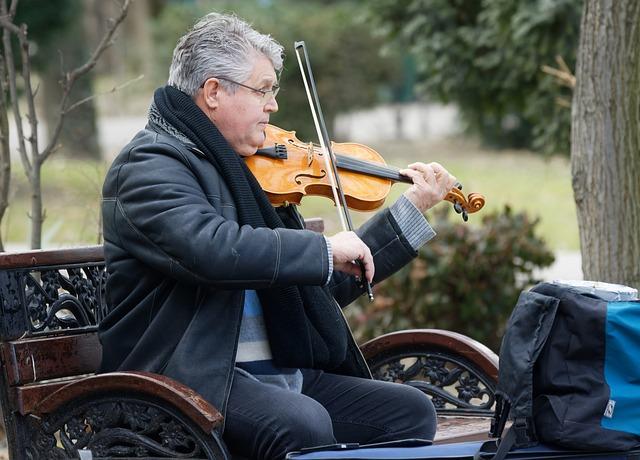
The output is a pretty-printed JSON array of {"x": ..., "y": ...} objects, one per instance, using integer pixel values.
[{"x": 210, "y": 93}]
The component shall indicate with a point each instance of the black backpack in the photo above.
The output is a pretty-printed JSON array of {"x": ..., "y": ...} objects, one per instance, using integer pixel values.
[{"x": 569, "y": 372}]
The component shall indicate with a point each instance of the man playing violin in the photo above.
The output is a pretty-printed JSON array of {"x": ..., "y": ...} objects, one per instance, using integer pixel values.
[{"x": 212, "y": 286}]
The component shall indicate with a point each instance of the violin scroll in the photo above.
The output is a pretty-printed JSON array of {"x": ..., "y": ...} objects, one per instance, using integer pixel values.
[{"x": 465, "y": 205}]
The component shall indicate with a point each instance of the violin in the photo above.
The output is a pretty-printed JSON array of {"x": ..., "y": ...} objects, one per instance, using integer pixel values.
[{"x": 288, "y": 169}]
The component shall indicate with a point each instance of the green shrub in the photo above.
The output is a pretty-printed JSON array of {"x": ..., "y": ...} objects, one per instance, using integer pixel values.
[{"x": 467, "y": 280}]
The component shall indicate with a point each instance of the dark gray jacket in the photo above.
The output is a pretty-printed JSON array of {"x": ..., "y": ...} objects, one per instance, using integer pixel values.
[{"x": 179, "y": 263}]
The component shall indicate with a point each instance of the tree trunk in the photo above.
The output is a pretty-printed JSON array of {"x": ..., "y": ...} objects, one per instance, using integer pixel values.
[
  {"x": 605, "y": 141},
  {"x": 5, "y": 154},
  {"x": 37, "y": 216}
]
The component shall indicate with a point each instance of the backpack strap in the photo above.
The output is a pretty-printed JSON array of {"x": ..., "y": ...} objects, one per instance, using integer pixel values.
[
  {"x": 520, "y": 434},
  {"x": 504, "y": 446},
  {"x": 500, "y": 416},
  {"x": 527, "y": 331}
]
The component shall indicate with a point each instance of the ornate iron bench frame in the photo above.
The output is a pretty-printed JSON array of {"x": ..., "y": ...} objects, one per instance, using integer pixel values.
[{"x": 55, "y": 406}]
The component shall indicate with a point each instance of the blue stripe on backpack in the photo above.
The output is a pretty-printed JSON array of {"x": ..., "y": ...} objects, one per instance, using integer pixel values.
[{"x": 622, "y": 367}]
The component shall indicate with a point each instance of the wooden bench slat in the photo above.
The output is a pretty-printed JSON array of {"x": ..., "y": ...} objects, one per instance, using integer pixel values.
[
  {"x": 462, "y": 429},
  {"x": 27, "y": 397},
  {"x": 37, "y": 359},
  {"x": 43, "y": 257},
  {"x": 315, "y": 224}
]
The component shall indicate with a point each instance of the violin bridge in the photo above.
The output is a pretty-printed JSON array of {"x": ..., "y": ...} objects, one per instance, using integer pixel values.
[{"x": 310, "y": 154}]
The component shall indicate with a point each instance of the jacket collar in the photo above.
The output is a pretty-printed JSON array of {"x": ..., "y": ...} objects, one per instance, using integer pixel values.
[{"x": 158, "y": 123}]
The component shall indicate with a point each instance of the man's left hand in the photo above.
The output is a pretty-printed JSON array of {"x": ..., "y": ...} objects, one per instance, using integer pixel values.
[{"x": 431, "y": 183}]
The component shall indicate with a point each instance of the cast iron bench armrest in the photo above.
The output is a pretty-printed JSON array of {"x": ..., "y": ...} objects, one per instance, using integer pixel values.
[
  {"x": 459, "y": 373},
  {"x": 453, "y": 342},
  {"x": 157, "y": 386}
]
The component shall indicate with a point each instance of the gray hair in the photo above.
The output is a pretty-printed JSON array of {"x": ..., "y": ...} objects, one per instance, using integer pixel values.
[{"x": 219, "y": 45}]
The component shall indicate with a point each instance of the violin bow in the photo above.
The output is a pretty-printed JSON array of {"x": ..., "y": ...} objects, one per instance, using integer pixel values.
[{"x": 325, "y": 144}]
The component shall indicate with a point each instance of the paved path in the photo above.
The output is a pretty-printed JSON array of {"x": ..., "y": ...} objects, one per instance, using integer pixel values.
[
  {"x": 116, "y": 132},
  {"x": 568, "y": 266}
]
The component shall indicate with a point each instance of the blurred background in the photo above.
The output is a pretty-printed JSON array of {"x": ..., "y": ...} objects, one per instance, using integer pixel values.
[{"x": 473, "y": 85}]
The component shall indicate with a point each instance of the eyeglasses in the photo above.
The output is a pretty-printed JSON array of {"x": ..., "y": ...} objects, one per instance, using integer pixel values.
[{"x": 265, "y": 94}]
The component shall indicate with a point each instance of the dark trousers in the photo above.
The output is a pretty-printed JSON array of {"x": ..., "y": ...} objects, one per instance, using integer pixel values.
[{"x": 266, "y": 422}]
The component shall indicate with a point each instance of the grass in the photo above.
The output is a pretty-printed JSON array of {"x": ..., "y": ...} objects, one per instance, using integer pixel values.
[
  {"x": 71, "y": 191},
  {"x": 522, "y": 180}
]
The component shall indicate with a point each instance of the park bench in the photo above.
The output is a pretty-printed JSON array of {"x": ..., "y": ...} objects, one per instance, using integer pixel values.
[{"x": 56, "y": 406}]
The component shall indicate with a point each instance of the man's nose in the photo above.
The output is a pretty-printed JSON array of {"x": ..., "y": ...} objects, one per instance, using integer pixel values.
[{"x": 271, "y": 106}]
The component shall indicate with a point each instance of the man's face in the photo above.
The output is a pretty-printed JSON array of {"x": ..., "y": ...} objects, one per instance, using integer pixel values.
[{"x": 241, "y": 117}]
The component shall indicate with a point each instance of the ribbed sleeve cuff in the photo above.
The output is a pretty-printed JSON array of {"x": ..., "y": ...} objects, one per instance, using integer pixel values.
[
  {"x": 412, "y": 222},
  {"x": 330, "y": 256}
]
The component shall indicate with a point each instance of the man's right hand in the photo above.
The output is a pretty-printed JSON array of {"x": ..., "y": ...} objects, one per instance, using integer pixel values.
[{"x": 347, "y": 248}]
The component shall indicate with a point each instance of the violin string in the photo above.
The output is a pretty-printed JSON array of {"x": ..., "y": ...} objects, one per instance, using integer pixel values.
[
  {"x": 371, "y": 168},
  {"x": 366, "y": 166},
  {"x": 386, "y": 171}
]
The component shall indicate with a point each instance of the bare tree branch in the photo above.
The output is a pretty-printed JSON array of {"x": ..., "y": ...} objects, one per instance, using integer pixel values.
[
  {"x": 12, "y": 9},
  {"x": 105, "y": 43},
  {"x": 29, "y": 94},
  {"x": 73, "y": 75},
  {"x": 13, "y": 92},
  {"x": 563, "y": 74},
  {"x": 8, "y": 16},
  {"x": 563, "y": 102},
  {"x": 94, "y": 96},
  {"x": 5, "y": 153},
  {"x": 51, "y": 146},
  {"x": 563, "y": 65},
  {"x": 564, "y": 78},
  {"x": 5, "y": 148},
  {"x": 6, "y": 23}
]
